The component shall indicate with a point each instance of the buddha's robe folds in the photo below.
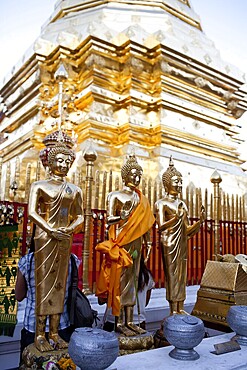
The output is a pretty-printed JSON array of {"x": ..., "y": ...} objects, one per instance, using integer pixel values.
[
  {"x": 175, "y": 231},
  {"x": 174, "y": 254},
  {"x": 57, "y": 205}
]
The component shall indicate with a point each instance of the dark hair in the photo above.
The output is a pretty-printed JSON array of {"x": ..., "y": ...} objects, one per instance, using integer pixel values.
[{"x": 144, "y": 274}]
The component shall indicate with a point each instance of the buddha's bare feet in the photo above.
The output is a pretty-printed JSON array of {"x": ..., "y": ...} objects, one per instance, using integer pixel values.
[
  {"x": 136, "y": 328},
  {"x": 182, "y": 312},
  {"x": 122, "y": 329},
  {"x": 174, "y": 313},
  {"x": 59, "y": 343},
  {"x": 42, "y": 344}
]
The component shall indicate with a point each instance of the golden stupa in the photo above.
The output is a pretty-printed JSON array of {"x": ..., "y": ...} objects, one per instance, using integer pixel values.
[{"x": 132, "y": 73}]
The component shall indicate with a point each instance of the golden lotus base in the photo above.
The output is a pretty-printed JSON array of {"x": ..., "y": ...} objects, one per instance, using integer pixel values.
[
  {"x": 135, "y": 344},
  {"x": 33, "y": 358},
  {"x": 223, "y": 285}
]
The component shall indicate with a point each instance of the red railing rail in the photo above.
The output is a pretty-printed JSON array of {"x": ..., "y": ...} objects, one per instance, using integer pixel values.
[
  {"x": 233, "y": 240},
  {"x": 200, "y": 248}
]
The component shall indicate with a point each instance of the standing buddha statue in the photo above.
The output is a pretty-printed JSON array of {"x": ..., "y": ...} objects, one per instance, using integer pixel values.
[
  {"x": 129, "y": 218},
  {"x": 55, "y": 207},
  {"x": 172, "y": 218}
]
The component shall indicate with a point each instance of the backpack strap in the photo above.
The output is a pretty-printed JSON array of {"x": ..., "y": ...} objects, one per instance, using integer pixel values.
[
  {"x": 30, "y": 268},
  {"x": 74, "y": 282}
]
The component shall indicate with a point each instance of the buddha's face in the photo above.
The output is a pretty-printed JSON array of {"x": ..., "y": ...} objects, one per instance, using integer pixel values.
[
  {"x": 175, "y": 185},
  {"x": 133, "y": 178},
  {"x": 61, "y": 164}
]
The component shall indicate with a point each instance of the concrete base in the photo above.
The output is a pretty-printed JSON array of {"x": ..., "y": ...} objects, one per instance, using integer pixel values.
[
  {"x": 156, "y": 311},
  {"x": 159, "y": 359}
]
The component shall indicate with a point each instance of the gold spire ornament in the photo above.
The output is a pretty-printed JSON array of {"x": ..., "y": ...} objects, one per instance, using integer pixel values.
[
  {"x": 55, "y": 206},
  {"x": 172, "y": 218}
]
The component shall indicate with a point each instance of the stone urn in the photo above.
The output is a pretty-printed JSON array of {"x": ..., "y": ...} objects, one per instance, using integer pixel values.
[
  {"x": 184, "y": 332},
  {"x": 237, "y": 320},
  {"x": 93, "y": 349}
]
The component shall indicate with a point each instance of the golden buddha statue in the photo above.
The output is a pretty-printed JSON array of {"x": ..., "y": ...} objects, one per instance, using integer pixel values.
[
  {"x": 129, "y": 218},
  {"x": 172, "y": 218},
  {"x": 55, "y": 206}
]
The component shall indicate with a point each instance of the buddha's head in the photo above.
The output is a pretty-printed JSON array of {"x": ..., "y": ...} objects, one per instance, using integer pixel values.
[
  {"x": 58, "y": 154},
  {"x": 172, "y": 179},
  {"x": 131, "y": 172},
  {"x": 60, "y": 159}
]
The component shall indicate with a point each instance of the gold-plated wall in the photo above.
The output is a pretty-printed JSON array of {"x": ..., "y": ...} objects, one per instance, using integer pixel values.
[{"x": 153, "y": 80}]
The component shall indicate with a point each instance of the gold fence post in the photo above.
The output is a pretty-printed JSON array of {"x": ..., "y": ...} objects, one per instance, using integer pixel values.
[
  {"x": 28, "y": 182},
  {"x": 216, "y": 180},
  {"x": 90, "y": 156},
  {"x": 1, "y": 169}
]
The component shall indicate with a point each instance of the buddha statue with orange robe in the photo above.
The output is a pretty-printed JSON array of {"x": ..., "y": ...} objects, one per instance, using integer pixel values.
[{"x": 129, "y": 218}]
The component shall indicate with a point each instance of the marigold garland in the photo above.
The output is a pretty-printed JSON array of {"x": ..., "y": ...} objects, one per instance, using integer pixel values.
[{"x": 66, "y": 364}]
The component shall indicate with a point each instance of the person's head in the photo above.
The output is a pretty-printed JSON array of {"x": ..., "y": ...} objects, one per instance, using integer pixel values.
[
  {"x": 131, "y": 172},
  {"x": 172, "y": 180},
  {"x": 144, "y": 274}
]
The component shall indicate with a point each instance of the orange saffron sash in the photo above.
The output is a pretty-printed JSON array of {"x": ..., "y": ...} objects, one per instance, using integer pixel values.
[{"x": 117, "y": 257}]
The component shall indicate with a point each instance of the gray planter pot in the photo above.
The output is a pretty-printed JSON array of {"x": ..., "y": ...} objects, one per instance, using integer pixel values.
[
  {"x": 184, "y": 332},
  {"x": 93, "y": 349},
  {"x": 237, "y": 320}
]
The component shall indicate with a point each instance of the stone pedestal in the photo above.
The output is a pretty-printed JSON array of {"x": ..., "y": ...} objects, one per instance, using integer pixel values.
[
  {"x": 184, "y": 332},
  {"x": 223, "y": 285},
  {"x": 237, "y": 320},
  {"x": 93, "y": 348}
]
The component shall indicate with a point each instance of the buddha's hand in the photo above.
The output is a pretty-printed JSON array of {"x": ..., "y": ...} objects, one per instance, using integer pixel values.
[
  {"x": 59, "y": 234},
  {"x": 66, "y": 230},
  {"x": 202, "y": 214},
  {"x": 180, "y": 210},
  {"x": 126, "y": 210}
]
